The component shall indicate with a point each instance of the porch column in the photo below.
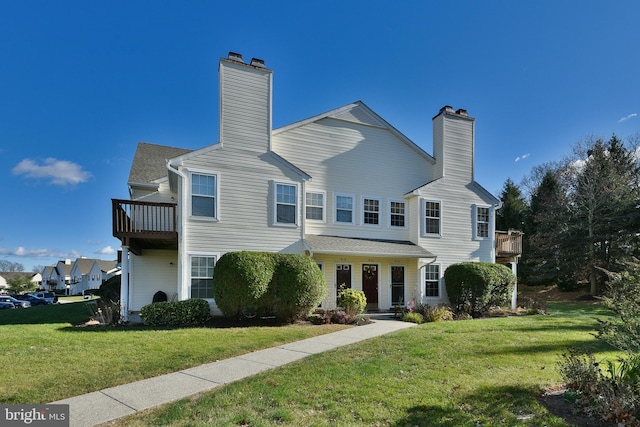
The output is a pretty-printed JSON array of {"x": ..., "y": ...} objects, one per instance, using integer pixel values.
[
  {"x": 124, "y": 285},
  {"x": 514, "y": 295}
]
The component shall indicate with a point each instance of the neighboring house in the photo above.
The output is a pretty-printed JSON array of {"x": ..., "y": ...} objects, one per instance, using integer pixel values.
[
  {"x": 49, "y": 277},
  {"x": 87, "y": 274},
  {"x": 5, "y": 276},
  {"x": 375, "y": 211},
  {"x": 63, "y": 269}
]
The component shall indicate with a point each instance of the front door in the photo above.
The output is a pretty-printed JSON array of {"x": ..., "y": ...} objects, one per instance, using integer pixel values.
[
  {"x": 343, "y": 277},
  {"x": 397, "y": 285},
  {"x": 370, "y": 283}
]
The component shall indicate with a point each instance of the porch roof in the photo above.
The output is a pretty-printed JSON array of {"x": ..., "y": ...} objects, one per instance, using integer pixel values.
[{"x": 319, "y": 244}]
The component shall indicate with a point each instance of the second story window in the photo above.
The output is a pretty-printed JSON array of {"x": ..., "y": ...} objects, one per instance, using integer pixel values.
[
  {"x": 344, "y": 209},
  {"x": 482, "y": 222},
  {"x": 397, "y": 211},
  {"x": 370, "y": 211},
  {"x": 203, "y": 195},
  {"x": 286, "y": 201},
  {"x": 314, "y": 206},
  {"x": 432, "y": 217}
]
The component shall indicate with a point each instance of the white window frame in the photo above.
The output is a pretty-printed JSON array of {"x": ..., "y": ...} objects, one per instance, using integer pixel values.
[
  {"x": 214, "y": 255},
  {"x": 296, "y": 205},
  {"x": 353, "y": 208},
  {"x": 323, "y": 207},
  {"x": 423, "y": 217},
  {"x": 216, "y": 196},
  {"x": 363, "y": 202},
  {"x": 477, "y": 222},
  {"x": 423, "y": 283},
  {"x": 391, "y": 214}
]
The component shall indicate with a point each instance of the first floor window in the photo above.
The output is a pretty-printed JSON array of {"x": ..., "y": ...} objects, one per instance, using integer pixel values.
[
  {"x": 371, "y": 211},
  {"x": 432, "y": 217},
  {"x": 432, "y": 281},
  {"x": 286, "y": 204},
  {"x": 202, "y": 276},
  {"x": 203, "y": 195},
  {"x": 315, "y": 206},
  {"x": 397, "y": 214},
  {"x": 482, "y": 222},
  {"x": 344, "y": 209}
]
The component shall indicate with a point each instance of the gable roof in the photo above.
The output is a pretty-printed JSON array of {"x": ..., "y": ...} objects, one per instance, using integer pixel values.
[
  {"x": 149, "y": 162},
  {"x": 358, "y": 246},
  {"x": 358, "y": 112}
]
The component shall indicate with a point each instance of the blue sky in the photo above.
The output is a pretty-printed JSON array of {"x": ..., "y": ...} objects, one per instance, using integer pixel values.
[{"x": 82, "y": 82}]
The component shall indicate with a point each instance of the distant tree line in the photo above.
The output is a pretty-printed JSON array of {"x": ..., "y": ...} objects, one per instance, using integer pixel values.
[{"x": 580, "y": 216}]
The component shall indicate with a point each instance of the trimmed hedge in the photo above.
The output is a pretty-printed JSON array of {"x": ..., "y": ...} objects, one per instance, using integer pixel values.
[
  {"x": 191, "y": 312},
  {"x": 474, "y": 287},
  {"x": 288, "y": 286}
]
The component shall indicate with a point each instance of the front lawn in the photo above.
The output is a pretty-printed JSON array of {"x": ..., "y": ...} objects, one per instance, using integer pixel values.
[
  {"x": 45, "y": 358},
  {"x": 487, "y": 372}
]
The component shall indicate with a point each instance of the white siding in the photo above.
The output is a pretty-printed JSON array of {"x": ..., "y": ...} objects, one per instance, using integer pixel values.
[
  {"x": 346, "y": 157},
  {"x": 155, "y": 271},
  {"x": 246, "y": 205},
  {"x": 453, "y": 147},
  {"x": 245, "y": 106}
]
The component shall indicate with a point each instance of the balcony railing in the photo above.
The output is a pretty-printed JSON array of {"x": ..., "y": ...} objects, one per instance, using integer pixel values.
[
  {"x": 508, "y": 244},
  {"x": 144, "y": 224}
]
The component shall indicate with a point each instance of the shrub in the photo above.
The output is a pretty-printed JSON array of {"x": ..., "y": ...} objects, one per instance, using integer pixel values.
[
  {"x": 412, "y": 316},
  {"x": 241, "y": 281},
  {"x": 473, "y": 287},
  {"x": 353, "y": 302},
  {"x": 435, "y": 313},
  {"x": 297, "y": 287},
  {"x": 288, "y": 286},
  {"x": 110, "y": 290},
  {"x": 189, "y": 312}
]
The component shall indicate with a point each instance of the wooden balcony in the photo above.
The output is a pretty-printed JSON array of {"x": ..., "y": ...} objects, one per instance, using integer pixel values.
[
  {"x": 145, "y": 225},
  {"x": 508, "y": 246}
]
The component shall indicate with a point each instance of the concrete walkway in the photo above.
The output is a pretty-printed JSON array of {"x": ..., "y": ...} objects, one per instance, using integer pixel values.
[{"x": 112, "y": 403}]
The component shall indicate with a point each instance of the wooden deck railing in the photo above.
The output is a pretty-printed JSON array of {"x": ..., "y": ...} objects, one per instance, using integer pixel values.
[
  {"x": 508, "y": 243},
  {"x": 143, "y": 219}
]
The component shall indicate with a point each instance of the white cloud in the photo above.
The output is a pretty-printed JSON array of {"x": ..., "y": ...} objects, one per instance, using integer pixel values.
[
  {"x": 107, "y": 250},
  {"x": 22, "y": 252},
  {"x": 60, "y": 172},
  {"x": 524, "y": 156},
  {"x": 630, "y": 116}
]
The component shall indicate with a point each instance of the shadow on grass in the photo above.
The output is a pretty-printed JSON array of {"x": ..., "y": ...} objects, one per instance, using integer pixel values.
[
  {"x": 70, "y": 313},
  {"x": 489, "y": 406}
]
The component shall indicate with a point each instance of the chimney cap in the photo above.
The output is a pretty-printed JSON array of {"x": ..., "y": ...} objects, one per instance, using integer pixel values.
[
  {"x": 235, "y": 57},
  {"x": 259, "y": 63},
  {"x": 446, "y": 109},
  {"x": 462, "y": 112}
]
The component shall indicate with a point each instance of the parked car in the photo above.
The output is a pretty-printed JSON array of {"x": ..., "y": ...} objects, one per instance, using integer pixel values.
[
  {"x": 49, "y": 296},
  {"x": 6, "y": 305},
  {"x": 34, "y": 300},
  {"x": 16, "y": 302}
]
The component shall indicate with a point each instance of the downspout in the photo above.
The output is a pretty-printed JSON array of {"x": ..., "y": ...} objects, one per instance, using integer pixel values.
[{"x": 181, "y": 235}]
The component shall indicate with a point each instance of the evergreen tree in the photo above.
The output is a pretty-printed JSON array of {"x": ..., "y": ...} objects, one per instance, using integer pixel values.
[{"x": 514, "y": 208}]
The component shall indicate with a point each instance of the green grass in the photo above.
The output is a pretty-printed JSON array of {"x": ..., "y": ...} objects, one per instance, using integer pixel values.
[
  {"x": 478, "y": 372},
  {"x": 45, "y": 358}
]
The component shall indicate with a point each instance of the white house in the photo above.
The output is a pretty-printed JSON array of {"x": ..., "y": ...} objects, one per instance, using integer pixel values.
[
  {"x": 87, "y": 274},
  {"x": 375, "y": 211}
]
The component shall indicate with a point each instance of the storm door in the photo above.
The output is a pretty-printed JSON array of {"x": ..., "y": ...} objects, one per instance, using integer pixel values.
[{"x": 397, "y": 285}]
